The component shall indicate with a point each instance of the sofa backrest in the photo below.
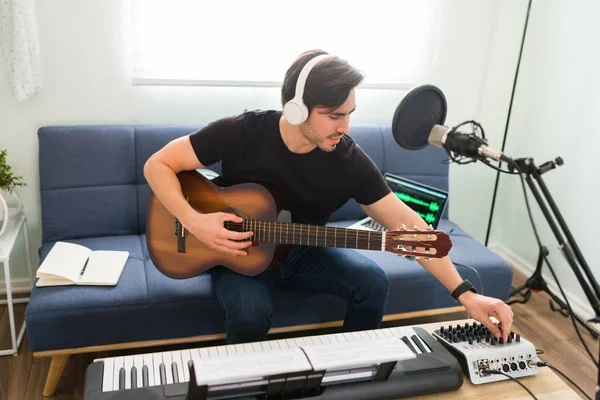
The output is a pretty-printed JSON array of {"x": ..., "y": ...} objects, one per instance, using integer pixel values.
[{"x": 92, "y": 182}]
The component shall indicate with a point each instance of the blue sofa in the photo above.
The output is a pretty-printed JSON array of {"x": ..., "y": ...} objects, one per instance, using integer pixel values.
[{"x": 93, "y": 192}]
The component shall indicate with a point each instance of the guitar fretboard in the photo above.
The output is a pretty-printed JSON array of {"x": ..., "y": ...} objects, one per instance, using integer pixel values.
[{"x": 309, "y": 235}]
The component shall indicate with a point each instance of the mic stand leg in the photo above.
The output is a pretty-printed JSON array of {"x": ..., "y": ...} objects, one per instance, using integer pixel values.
[{"x": 536, "y": 283}]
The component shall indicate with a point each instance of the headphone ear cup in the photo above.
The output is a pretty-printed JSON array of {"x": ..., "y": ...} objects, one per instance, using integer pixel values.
[{"x": 295, "y": 112}]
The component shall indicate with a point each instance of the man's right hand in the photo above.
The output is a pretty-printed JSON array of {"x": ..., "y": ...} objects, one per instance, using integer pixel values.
[{"x": 210, "y": 230}]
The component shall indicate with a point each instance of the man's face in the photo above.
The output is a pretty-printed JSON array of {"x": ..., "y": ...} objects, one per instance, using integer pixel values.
[{"x": 325, "y": 129}]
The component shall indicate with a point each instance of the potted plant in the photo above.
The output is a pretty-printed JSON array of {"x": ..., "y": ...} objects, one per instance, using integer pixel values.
[{"x": 8, "y": 182}]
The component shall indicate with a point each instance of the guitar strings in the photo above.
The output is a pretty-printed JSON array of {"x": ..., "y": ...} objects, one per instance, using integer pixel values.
[{"x": 366, "y": 239}]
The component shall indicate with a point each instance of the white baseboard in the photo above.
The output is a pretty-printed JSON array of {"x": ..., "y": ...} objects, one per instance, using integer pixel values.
[
  {"x": 19, "y": 285},
  {"x": 579, "y": 305}
]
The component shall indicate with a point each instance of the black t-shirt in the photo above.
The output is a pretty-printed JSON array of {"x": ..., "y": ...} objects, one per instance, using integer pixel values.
[{"x": 315, "y": 184}]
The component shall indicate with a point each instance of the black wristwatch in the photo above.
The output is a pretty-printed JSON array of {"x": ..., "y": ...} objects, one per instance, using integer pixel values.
[{"x": 463, "y": 287}]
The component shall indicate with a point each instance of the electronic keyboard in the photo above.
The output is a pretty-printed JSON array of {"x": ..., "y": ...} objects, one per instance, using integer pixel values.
[{"x": 374, "y": 364}]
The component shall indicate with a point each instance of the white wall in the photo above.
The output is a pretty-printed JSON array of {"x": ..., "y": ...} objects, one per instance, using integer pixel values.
[
  {"x": 556, "y": 114},
  {"x": 85, "y": 63}
]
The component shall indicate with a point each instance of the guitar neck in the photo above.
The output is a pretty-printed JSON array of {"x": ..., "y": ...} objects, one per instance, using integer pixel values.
[{"x": 309, "y": 235}]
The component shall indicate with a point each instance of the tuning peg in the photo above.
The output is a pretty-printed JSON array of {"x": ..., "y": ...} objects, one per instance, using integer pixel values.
[
  {"x": 416, "y": 228},
  {"x": 404, "y": 227},
  {"x": 426, "y": 258},
  {"x": 430, "y": 227}
]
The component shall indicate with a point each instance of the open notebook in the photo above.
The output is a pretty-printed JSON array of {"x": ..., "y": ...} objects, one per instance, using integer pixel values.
[{"x": 74, "y": 264}]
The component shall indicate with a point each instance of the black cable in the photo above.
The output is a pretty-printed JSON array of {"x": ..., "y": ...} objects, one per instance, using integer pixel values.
[
  {"x": 545, "y": 364},
  {"x": 493, "y": 371},
  {"x": 476, "y": 273},
  {"x": 537, "y": 237}
]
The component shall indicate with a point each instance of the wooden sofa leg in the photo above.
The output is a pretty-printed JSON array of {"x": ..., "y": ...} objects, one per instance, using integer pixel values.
[{"x": 57, "y": 366}]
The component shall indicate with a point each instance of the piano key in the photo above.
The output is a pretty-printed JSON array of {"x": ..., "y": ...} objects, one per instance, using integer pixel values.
[
  {"x": 418, "y": 343},
  {"x": 409, "y": 344},
  {"x": 221, "y": 350},
  {"x": 275, "y": 345},
  {"x": 230, "y": 349},
  {"x": 185, "y": 359},
  {"x": 363, "y": 335},
  {"x": 167, "y": 361},
  {"x": 127, "y": 364},
  {"x": 256, "y": 346},
  {"x": 204, "y": 353},
  {"x": 138, "y": 362},
  {"x": 163, "y": 374},
  {"x": 145, "y": 376},
  {"x": 134, "y": 377},
  {"x": 425, "y": 346},
  {"x": 282, "y": 344},
  {"x": 175, "y": 372},
  {"x": 265, "y": 345},
  {"x": 176, "y": 356},
  {"x": 239, "y": 349},
  {"x": 387, "y": 332},
  {"x": 372, "y": 334},
  {"x": 156, "y": 361},
  {"x": 213, "y": 352},
  {"x": 348, "y": 337},
  {"x": 116, "y": 371},
  {"x": 121, "y": 378},
  {"x": 248, "y": 347},
  {"x": 108, "y": 375}
]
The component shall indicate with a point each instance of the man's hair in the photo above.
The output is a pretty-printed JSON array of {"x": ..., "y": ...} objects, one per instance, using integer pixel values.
[{"x": 329, "y": 82}]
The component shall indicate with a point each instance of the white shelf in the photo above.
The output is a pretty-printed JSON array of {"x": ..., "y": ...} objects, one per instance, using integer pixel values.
[
  {"x": 15, "y": 220},
  {"x": 16, "y": 224}
]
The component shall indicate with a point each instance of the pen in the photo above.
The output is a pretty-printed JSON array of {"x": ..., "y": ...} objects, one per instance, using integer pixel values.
[{"x": 84, "y": 266}]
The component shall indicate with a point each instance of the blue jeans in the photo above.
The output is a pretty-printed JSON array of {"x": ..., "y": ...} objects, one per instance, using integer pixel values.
[{"x": 246, "y": 300}]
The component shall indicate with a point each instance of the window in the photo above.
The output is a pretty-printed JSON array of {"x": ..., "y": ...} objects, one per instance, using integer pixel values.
[{"x": 252, "y": 43}]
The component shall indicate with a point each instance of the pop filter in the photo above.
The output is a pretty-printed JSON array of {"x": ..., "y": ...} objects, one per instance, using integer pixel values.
[{"x": 422, "y": 108}]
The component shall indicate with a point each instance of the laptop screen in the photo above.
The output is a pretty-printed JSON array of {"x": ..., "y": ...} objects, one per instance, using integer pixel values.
[{"x": 427, "y": 201}]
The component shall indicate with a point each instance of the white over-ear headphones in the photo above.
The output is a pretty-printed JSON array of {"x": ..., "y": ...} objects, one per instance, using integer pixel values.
[{"x": 295, "y": 111}]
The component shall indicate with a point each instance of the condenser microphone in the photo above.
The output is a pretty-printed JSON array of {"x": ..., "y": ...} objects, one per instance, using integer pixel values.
[{"x": 418, "y": 121}]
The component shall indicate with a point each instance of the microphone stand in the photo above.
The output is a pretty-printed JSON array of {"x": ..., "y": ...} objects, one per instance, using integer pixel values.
[{"x": 569, "y": 248}]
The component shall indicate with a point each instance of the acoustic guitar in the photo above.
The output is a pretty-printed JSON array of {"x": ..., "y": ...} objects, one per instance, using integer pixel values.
[{"x": 178, "y": 254}]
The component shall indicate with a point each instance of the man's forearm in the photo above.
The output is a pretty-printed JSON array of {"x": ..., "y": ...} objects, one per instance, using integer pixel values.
[
  {"x": 444, "y": 271},
  {"x": 166, "y": 187}
]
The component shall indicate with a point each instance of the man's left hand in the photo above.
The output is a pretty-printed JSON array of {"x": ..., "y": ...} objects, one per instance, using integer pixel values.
[{"x": 482, "y": 307}]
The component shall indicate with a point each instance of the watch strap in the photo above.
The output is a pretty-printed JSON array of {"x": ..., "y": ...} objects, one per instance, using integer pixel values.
[{"x": 463, "y": 287}]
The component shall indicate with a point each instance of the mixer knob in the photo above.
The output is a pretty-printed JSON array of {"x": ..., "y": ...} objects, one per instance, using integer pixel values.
[
  {"x": 501, "y": 340},
  {"x": 518, "y": 338}
]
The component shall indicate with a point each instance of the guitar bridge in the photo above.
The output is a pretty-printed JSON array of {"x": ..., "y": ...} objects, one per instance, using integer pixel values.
[{"x": 180, "y": 233}]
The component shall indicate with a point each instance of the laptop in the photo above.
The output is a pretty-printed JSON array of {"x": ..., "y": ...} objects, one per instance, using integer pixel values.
[{"x": 427, "y": 201}]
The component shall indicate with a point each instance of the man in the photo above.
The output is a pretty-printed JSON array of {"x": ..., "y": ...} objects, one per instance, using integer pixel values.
[{"x": 319, "y": 167}]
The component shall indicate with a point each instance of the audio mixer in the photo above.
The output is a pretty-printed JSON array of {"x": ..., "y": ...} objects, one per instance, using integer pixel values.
[{"x": 477, "y": 350}]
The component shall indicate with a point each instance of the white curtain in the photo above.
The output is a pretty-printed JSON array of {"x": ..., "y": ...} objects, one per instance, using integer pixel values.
[{"x": 20, "y": 46}]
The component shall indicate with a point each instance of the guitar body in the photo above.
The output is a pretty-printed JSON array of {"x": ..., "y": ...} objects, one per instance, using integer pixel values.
[{"x": 178, "y": 254}]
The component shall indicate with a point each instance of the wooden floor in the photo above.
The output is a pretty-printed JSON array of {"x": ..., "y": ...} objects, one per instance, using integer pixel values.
[{"x": 23, "y": 377}]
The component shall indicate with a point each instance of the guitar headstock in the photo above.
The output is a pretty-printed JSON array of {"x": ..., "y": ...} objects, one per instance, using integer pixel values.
[{"x": 418, "y": 243}]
